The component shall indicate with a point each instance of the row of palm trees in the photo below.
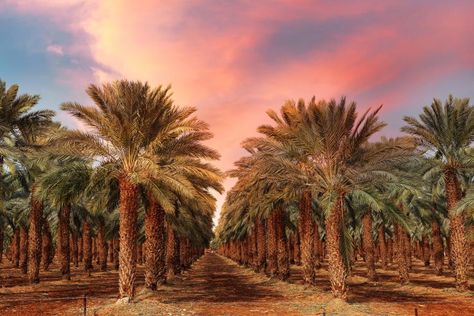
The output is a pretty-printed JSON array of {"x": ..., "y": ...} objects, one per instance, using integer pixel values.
[
  {"x": 136, "y": 179},
  {"x": 315, "y": 186}
]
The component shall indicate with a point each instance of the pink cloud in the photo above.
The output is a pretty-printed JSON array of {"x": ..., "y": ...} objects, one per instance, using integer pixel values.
[{"x": 216, "y": 54}]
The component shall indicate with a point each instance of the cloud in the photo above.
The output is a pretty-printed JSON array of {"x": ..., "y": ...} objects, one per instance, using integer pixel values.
[
  {"x": 233, "y": 60},
  {"x": 55, "y": 49}
]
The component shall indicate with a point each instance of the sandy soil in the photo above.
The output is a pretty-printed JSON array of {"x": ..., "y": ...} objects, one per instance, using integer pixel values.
[{"x": 217, "y": 286}]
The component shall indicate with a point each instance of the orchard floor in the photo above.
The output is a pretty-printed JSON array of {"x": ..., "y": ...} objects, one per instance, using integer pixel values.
[{"x": 217, "y": 286}]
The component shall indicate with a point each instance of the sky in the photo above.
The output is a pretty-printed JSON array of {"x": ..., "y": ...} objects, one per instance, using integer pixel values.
[{"x": 233, "y": 60}]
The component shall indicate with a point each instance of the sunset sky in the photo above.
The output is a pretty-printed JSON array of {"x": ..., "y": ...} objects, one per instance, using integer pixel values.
[{"x": 235, "y": 59}]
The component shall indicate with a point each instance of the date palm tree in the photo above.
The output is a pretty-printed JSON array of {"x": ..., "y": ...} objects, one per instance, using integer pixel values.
[
  {"x": 446, "y": 131},
  {"x": 18, "y": 122},
  {"x": 62, "y": 186},
  {"x": 125, "y": 129}
]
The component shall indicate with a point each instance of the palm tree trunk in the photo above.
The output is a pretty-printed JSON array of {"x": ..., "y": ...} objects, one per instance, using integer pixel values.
[
  {"x": 291, "y": 245},
  {"x": 306, "y": 227},
  {"x": 128, "y": 238},
  {"x": 16, "y": 248},
  {"x": 102, "y": 246},
  {"x": 94, "y": 249},
  {"x": 87, "y": 240},
  {"x": 2, "y": 235},
  {"x": 81, "y": 249},
  {"x": 337, "y": 269},
  {"x": 426, "y": 251},
  {"x": 297, "y": 248},
  {"x": 383, "y": 246},
  {"x": 368, "y": 243},
  {"x": 261, "y": 246},
  {"x": 408, "y": 250},
  {"x": 283, "y": 256},
  {"x": 401, "y": 257},
  {"x": 272, "y": 246},
  {"x": 155, "y": 250},
  {"x": 23, "y": 249},
  {"x": 171, "y": 254},
  {"x": 182, "y": 253},
  {"x": 63, "y": 236},
  {"x": 317, "y": 248},
  {"x": 253, "y": 248},
  {"x": 116, "y": 253},
  {"x": 74, "y": 242},
  {"x": 438, "y": 249},
  {"x": 390, "y": 250},
  {"x": 111, "y": 251},
  {"x": 459, "y": 245},
  {"x": 34, "y": 238},
  {"x": 47, "y": 246}
]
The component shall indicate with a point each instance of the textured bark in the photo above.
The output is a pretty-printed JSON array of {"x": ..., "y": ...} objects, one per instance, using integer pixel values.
[
  {"x": 23, "y": 249},
  {"x": 438, "y": 249},
  {"x": 253, "y": 248},
  {"x": 383, "y": 247},
  {"x": 317, "y": 248},
  {"x": 400, "y": 254},
  {"x": 102, "y": 246},
  {"x": 47, "y": 246},
  {"x": 81, "y": 249},
  {"x": 306, "y": 228},
  {"x": 116, "y": 253},
  {"x": 16, "y": 248},
  {"x": 2, "y": 234},
  {"x": 449, "y": 253},
  {"x": 368, "y": 243},
  {"x": 336, "y": 266},
  {"x": 182, "y": 253},
  {"x": 426, "y": 251},
  {"x": 291, "y": 245},
  {"x": 128, "y": 238},
  {"x": 297, "y": 248},
  {"x": 111, "y": 251},
  {"x": 94, "y": 250},
  {"x": 87, "y": 241},
  {"x": 408, "y": 249},
  {"x": 74, "y": 242},
  {"x": 390, "y": 250},
  {"x": 272, "y": 246},
  {"x": 261, "y": 246},
  {"x": 34, "y": 238},
  {"x": 171, "y": 253},
  {"x": 459, "y": 246},
  {"x": 282, "y": 245},
  {"x": 155, "y": 268},
  {"x": 63, "y": 236}
]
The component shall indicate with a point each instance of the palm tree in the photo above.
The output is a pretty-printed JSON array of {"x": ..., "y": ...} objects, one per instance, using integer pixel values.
[
  {"x": 447, "y": 132},
  {"x": 178, "y": 157},
  {"x": 125, "y": 130},
  {"x": 18, "y": 123},
  {"x": 333, "y": 145},
  {"x": 62, "y": 187}
]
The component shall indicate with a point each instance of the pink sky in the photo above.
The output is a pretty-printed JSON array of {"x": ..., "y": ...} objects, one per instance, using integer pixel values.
[{"x": 235, "y": 59}]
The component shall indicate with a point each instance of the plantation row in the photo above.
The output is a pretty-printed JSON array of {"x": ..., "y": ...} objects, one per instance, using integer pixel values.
[
  {"x": 133, "y": 185},
  {"x": 315, "y": 186}
]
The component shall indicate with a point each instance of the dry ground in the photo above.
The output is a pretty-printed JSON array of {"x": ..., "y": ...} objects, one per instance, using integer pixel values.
[{"x": 217, "y": 286}]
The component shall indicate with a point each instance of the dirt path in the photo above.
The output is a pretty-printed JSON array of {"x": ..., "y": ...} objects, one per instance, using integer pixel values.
[{"x": 217, "y": 286}]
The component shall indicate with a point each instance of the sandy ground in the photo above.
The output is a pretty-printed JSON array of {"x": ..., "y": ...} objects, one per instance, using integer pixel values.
[{"x": 217, "y": 286}]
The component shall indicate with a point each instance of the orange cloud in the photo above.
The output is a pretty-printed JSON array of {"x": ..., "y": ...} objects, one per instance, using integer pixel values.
[{"x": 233, "y": 60}]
